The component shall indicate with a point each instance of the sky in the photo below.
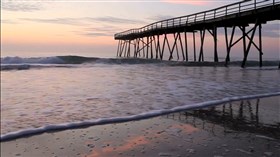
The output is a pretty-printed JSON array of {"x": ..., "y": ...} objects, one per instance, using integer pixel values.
[{"x": 87, "y": 27}]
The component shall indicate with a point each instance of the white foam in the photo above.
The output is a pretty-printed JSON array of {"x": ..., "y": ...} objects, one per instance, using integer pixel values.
[{"x": 65, "y": 126}]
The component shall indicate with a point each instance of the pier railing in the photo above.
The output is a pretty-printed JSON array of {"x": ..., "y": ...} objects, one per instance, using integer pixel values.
[{"x": 235, "y": 8}]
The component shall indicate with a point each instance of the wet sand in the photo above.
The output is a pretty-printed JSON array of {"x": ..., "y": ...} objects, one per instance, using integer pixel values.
[{"x": 241, "y": 128}]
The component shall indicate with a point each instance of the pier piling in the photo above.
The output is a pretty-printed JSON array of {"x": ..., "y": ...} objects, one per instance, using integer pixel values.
[{"x": 147, "y": 40}]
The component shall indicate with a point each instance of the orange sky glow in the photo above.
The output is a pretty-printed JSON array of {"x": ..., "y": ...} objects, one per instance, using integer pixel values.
[{"x": 89, "y": 26}]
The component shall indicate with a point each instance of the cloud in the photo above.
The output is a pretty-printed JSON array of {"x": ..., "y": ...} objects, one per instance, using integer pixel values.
[
  {"x": 160, "y": 17},
  {"x": 105, "y": 30},
  {"x": 92, "y": 34},
  {"x": 24, "y": 6},
  {"x": 190, "y": 2},
  {"x": 65, "y": 21},
  {"x": 116, "y": 20},
  {"x": 83, "y": 20}
]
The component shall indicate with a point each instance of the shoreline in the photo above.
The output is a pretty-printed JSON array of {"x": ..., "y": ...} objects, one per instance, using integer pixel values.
[
  {"x": 146, "y": 115},
  {"x": 239, "y": 128}
]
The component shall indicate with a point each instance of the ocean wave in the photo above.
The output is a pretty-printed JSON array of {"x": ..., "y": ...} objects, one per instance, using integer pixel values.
[
  {"x": 32, "y": 60},
  {"x": 150, "y": 114},
  {"x": 8, "y": 67},
  {"x": 18, "y": 63},
  {"x": 74, "y": 60}
]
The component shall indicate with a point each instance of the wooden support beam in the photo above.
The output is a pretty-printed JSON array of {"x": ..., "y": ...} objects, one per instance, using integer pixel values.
[
  {"x": 144, "y": 44},
  {"x": 147, "y": 54},
  {"x": 194, "y": 49},
  {"x": 125, "y": 48},
  {"x": 138, "y": 44},
  {"x": 216, "y": 58},
  {"x": 249, "y": 46},
  {"x": 186, "y": 46},
  {"x": 156, "y": 49},
  {"x": 260, "y": 45},
  {"x": 163, "y": 46},
  {"x": 171, "y": 52},
  {"x": 121, "y": 48},
  {"x": 143, "y": 47},
  {"x": 152, "y": 54},
  {"x": 177, "y": 52},
  {"x": 182, "y": 49},
  {"x": 229, "y": 44},
  {"x": 158, "y": 46},
  {"x": 169, "y": 48},
  {"x": 244, "y": 39},
  {"x": 135, "y": 44},
  {"x": 202, "y": 36},
  {"x": 128, "y": 51},
  {"x": 118, "y": 47},
  {"x": 227, "y": 47}
]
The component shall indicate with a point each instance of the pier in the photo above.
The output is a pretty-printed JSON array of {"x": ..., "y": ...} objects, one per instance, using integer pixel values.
[{"x": 171, "y": 35}]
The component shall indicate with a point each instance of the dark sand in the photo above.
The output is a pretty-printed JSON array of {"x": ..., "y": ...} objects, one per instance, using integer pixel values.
[{"x": 243, "y": 128}]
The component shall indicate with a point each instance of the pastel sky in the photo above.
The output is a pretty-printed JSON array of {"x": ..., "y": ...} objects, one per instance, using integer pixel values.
[{"x": 87, "y": 27}]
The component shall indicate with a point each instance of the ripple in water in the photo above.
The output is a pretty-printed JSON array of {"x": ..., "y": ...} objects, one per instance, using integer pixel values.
[{"x": 38, "y": 97}]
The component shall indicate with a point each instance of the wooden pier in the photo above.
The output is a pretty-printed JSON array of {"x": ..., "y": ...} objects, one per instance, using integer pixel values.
[{"x": 151, "y": 40}]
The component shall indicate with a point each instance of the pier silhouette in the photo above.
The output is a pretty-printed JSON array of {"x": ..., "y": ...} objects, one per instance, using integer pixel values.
[{"x": 151, "y": 40}]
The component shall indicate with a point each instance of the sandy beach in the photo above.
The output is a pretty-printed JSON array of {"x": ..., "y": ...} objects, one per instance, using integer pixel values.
[{"x": 241, "y": 128}]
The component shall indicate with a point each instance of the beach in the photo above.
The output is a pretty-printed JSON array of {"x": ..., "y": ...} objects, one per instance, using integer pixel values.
[{"x": 239, "y": 128}]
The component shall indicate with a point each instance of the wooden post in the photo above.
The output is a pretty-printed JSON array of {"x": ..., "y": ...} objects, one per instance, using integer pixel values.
[
  {"x": 128, "y": 51},
  {"x": 229, "y": 44},
  {"x": 118, "y": 48},
  {"x": 152, "y": 55},
  {"x": 182, "y": 49},
  {"x": 163, "y": 46},
  {"x": 175, "y": 42},
  {"x": 216, "y": 59},
  {"x": 169, "y": 48},
  {"x": 125, "y": 48},
  {"x": 156, "y": 46},
  {"x": 143, "y": 47},
  {"x": 260, "y": 44},
  {"x": 194, "y": 49},
  {"x": 147, "y": 54},
  {"x": 202, "y": 35},
  {"x": 186, "y": 46},
  {"x": 249, "y": 46},
  {"x": 135, "y": 42},
  {"x": 244, "y": 39},
  {"x": 137, "y": 51}
]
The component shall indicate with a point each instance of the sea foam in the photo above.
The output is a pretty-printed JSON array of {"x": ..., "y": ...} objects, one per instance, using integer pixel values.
[{"x": 73, "y": 125}]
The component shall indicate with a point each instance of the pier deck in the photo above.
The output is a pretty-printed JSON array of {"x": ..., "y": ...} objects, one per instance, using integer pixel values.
[{"x": 237, "y": 15}]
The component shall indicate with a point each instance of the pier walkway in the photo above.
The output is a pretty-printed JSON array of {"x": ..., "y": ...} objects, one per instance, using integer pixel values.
[{"x": 151, "y": 40}]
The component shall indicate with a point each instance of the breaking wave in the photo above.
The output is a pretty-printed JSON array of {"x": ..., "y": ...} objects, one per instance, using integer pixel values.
[
  {"x": 150, "y": 114},
  {"x": 19, "y": 63}
]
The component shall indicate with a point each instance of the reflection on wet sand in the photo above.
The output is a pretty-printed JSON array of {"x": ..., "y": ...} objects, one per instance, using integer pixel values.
[
  {"x": 242, "y": 128},
  {"x": 244, "y": 116}
]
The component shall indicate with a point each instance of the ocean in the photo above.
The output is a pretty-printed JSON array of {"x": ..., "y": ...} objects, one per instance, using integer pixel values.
[{"x": 49, "y": 93}]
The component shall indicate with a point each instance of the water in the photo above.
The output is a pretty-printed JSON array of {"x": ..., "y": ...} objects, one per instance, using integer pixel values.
[{"x": 52, "y": 92}]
